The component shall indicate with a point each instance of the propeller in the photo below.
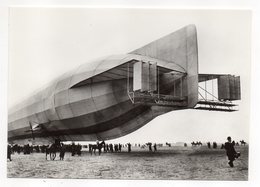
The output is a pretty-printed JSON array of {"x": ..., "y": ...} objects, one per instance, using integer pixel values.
[{"x": 33, "y": 128}]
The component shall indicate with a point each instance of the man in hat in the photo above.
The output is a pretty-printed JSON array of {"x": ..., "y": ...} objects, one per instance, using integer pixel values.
[{"x": 231, "y": 152}]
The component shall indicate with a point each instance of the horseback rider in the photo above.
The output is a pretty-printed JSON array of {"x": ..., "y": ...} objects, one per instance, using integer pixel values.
[
  {"x": 52, "y": 149},
  {"x": 98, "y": 145}
]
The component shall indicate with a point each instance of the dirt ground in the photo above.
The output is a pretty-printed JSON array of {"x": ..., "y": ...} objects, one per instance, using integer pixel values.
[{"x": 173, "y": 163}]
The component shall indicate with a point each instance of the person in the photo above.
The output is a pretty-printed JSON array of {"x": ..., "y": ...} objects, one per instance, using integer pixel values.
[
  {"x": 209, "y": 145},
  {"x": 9, "y": 152},
  {"x": 116, "y": 147},
  {"x": 119, "y": 147},
  {"x": 107, "y": 149},
  {"x": 73, "y": 149},
  {"x": 150, "y": 146},
  {"x": 230, "y": 151},
  {"x": 215, "y": 145},
  {"x": 111, "y": 148},
  {"x": 78, "y": 149},
  {"x": 62, "y": 151},
  {"x": 155, "y": 147},
  {"x": 129, "y": 147}
]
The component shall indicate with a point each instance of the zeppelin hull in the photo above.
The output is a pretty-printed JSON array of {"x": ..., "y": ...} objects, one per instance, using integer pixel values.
[
  {"x": 105, "y": 99},
  {"x": 104, "y": 114}
]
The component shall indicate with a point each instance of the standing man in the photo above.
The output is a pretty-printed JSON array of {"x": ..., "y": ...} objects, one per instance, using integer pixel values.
[
  {"x": 119, "y": 147},
  {"x": 155, "y": 147},
  {"x": 231, "y": 152},
  {"x": 129, "y": 147},
  {"x": 62, "y": 151},
  {"x": 150, "y": 146}
]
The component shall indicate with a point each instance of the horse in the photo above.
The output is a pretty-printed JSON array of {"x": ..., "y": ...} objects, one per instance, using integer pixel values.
[
  {"x": 51, "y": 150},
  {"x": 168, "y": 144},
  {"x": 98, "y": 146}
]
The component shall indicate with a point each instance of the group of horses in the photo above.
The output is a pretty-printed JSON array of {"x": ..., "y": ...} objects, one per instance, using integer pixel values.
[
  {"x": 52, "y": 150},
  {"x": 196, "y": 143},
  {"x": 57, "y": 147},
  {"x": 98, "y": 146}
]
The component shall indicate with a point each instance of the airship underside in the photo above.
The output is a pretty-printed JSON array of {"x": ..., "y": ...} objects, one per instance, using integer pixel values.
[{"x": 117, "y": 95}]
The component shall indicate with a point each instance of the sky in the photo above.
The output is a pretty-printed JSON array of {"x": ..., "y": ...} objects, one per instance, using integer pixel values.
[{"x": 47, "y": 42}]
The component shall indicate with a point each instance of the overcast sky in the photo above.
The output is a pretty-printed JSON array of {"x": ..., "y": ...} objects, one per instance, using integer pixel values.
[{"x": 45, "y": 43}]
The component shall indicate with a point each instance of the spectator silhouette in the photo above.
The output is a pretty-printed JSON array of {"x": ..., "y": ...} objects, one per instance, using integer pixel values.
[
  {"x": 209, "y": 145},
  {"x": 119, "y": 147},
  {"x": 230, "y": 151},
  {"x": 155, "y": 147},
  {"x": 62, "y": 151},
  {"x": 129, "y": 147}
]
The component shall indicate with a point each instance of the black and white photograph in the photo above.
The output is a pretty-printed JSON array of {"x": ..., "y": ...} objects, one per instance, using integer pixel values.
[{"x": 129, "y": 94}]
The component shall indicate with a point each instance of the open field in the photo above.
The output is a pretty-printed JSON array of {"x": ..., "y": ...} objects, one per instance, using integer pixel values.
[{"x": 174, "y": 163}]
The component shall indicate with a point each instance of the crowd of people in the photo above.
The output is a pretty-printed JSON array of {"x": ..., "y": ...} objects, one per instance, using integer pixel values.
[{"x": 76, "y": 149}]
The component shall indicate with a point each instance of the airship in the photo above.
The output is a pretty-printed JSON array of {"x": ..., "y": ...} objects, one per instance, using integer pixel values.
[{"x": 114, "y": 96}]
